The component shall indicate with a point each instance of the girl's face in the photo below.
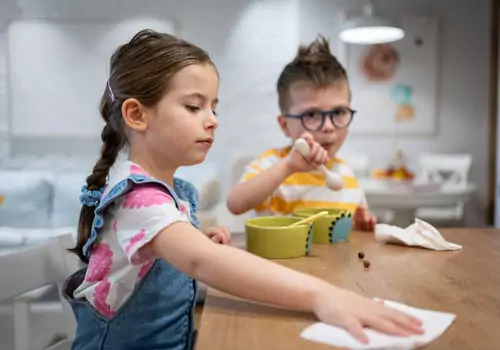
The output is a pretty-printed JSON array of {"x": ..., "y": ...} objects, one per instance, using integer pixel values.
[{"x": 180, "y": 129}]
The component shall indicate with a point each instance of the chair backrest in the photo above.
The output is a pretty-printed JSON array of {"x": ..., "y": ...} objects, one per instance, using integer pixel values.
[
  {"x": 445, "y": 169},
  {"x": 238, "y": 165},
  {"x": 359, "y": 163},
  {"x": 30, "y": 268}
]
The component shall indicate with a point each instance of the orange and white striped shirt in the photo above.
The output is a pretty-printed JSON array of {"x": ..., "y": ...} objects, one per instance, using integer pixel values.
[{"x": 305, "y": 190}]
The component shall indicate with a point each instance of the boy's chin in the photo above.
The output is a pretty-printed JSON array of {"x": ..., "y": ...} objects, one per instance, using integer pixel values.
[{"x": 332, "y": 150}]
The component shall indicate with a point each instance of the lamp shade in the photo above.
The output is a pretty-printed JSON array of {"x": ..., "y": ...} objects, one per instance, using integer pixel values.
[{"x": 369, "y": 29}]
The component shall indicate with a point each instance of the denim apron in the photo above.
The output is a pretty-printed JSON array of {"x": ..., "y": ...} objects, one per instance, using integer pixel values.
[{"x": 159, "y": 313}]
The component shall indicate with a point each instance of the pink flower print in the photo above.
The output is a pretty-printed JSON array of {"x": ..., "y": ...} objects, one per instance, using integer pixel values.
[
  {"x": 101, "y": 293},
  {"x": 143, "y": 255},
  {"x": 115, "y": 226},
  {"x": 182, "y": 209},
  {"x": 100, "y": 262},
  {"x": 146, "y": 196},
  {"x": 135, "y": 239},
  {"x": 135, "y": 170},
  {"x": 145, "y": 269}
]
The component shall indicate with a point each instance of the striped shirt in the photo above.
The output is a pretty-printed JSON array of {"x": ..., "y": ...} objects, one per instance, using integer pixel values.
[{"x": 305, "y": 190}]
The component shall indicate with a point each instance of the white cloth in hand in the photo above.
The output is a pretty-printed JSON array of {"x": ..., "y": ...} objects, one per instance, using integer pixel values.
[
  {"x": 419, "y": 234},
  {"x": 434, "y": 324}
]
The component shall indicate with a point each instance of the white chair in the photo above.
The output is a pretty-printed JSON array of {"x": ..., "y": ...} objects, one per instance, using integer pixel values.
[
  {"x": 238, "y": 165},
  {"x": 360, "y": 166},
  {"x": 359, "y": 163},
  {"x": 235, "y": 223},
  {"x": 27, "y": 269},
  {"x": 449, "y": 171}
]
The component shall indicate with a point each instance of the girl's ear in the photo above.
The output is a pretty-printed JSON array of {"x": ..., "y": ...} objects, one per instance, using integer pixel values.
[
  {"x": 283, "y": 125},
  {"x": 134, "y": 114}
]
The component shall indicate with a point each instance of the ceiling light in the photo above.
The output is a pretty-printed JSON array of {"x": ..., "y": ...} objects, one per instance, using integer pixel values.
[{"x": 369, "y": 29}]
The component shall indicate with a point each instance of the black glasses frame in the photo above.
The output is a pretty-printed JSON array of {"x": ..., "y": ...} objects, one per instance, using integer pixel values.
[{"x": 324, "y": 114}]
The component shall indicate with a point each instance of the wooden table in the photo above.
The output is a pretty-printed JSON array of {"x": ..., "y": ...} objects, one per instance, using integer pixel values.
[{"x": 466, "y": 283}]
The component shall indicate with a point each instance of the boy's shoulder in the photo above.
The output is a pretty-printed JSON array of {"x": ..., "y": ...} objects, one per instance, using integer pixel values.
[
  {"x": 264, "y": 161},
  {"x": 274, "y": 154}
]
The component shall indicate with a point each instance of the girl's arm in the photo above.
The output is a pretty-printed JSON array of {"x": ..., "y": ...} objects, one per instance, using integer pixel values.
[
  {"x": 235, "y": 271},
  {"x": 247, "y": 276}
]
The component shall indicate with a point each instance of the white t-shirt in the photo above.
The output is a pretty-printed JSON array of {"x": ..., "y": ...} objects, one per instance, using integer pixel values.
[{"x": 121, "y": 256}]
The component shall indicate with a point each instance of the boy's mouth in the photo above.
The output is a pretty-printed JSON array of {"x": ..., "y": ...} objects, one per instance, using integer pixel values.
[{"x": 327, "y": 145}]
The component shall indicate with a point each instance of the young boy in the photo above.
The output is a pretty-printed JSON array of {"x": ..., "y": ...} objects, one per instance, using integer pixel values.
[{"x": 314, "y": 99}]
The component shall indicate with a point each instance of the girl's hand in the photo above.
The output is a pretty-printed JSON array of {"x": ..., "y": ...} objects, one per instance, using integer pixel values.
[
  {"x": 352, "y": 312},
  {"x": 364, "y": 220},
  {"x": 219, "y": 234},
  {"x": 296, "y": 162}
]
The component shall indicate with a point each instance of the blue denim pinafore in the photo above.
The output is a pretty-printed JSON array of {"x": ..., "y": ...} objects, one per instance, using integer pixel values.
[{"x": 159, "y": 313}]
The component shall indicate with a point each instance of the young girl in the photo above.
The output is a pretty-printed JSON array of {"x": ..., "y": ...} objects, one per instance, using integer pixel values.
[{"x": 138, "y": 231}]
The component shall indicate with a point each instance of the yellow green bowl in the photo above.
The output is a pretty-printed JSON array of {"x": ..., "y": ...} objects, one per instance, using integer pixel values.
[
  {"x": 331, "y": 228},
  {"x": 268, "y": 237}
]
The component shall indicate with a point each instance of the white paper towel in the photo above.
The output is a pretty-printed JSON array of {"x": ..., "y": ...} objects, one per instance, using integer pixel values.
[
  {"x": 434, "y": 324},
  {"x": 421, "y": 234}
]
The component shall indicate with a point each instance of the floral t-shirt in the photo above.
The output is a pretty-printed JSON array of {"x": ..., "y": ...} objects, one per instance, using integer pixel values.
[{"x": 121, "y": 256}]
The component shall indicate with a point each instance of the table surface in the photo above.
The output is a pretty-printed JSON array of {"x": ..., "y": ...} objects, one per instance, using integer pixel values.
[{"x": 466, "y": 283}]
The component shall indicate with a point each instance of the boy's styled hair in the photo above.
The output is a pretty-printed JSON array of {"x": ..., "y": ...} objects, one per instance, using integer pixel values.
[
  {"x": 140, "y": 69},
  {"x": 313, "y": 64}
]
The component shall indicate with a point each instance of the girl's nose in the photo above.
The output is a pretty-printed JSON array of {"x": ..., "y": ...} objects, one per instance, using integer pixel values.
[{"x": 212, "y": 121}]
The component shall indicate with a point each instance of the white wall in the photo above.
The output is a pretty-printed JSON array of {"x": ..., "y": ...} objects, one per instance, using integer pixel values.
[
  {"x": 62, "y": 67},
  {"x": 251, "y": 40}
]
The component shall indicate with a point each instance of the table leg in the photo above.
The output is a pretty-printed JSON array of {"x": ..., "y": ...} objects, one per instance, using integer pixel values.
[{"x": 22, "y": 321}]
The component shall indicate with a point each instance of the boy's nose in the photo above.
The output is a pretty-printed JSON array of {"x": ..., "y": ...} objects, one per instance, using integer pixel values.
[{"x": 328, "y": 125}]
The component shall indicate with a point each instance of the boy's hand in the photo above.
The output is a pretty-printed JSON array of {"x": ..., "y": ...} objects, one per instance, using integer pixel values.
[
  {"x": 317, "y": 156},
  {"x": 219, "y": 234},
  {"x": 364, "y": 220}
]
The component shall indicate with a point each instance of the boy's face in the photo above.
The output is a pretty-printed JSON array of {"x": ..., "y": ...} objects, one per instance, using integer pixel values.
[{"x": 304, "y": 96}]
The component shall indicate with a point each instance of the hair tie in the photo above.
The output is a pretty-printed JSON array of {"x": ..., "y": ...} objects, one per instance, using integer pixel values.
[{"x": 91, "y": 198}]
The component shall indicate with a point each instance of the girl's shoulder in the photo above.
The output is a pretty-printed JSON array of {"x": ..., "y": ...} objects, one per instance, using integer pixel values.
[{"x": 126, "y": 177}]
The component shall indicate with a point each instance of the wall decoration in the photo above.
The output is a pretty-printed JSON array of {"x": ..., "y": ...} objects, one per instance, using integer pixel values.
[
  {"x": 395, "y": 85},
  {"x": 380, "y": 62},
  {"x": 402, "y": 95}
]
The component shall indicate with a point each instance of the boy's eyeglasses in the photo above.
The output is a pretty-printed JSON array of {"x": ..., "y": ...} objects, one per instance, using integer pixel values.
[{"x": 313, "y": 120}]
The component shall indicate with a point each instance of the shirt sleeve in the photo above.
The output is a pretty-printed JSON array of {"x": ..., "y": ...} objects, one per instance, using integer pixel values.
[
  {"x": 140, "y": 215},
  {"x": 257, "y": 167}
]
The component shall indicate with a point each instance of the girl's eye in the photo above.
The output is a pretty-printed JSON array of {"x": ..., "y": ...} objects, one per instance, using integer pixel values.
[
  {"x": 215, "y": 113},
  {"x": 192, "y": 108}
]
